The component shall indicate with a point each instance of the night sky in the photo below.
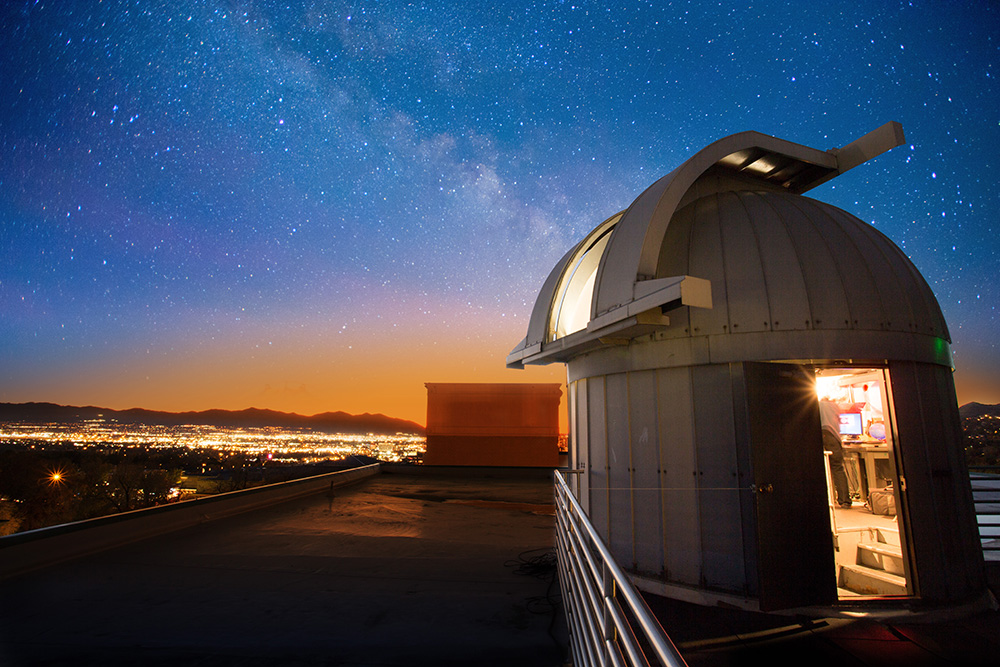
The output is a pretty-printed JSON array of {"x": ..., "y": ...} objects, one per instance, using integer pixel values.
[{"x": 321, "y": 206}]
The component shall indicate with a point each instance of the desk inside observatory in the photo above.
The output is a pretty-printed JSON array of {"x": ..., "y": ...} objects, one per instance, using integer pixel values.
[{"x": 867, "y": 466}]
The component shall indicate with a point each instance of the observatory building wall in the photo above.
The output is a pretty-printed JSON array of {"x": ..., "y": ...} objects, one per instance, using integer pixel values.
[{"x": 761, "y": 402}]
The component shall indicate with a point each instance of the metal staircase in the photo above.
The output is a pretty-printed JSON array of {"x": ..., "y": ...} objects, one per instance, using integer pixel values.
[{"x": 878, "y": 567}]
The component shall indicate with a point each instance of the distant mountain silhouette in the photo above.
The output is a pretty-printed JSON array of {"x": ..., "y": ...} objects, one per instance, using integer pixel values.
[
  {"x": 978, "y": 410},
  {"x": 332, "y": 422}
]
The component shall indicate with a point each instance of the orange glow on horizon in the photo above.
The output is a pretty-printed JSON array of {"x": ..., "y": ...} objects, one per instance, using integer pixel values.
[
  {"x": 303, "y": 372},
  {"x": 377, "y": 365}
]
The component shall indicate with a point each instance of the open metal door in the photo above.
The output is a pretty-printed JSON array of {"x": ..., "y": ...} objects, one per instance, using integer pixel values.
[{"x": 795, "y": 545}]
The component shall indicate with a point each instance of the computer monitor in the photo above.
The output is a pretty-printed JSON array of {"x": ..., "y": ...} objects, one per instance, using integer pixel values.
[{"x": 850, "y": 423}]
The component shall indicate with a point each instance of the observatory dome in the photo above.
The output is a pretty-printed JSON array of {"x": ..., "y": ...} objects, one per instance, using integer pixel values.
[
  {"x": 782, "y": 262},
  {"x": 726, "y": 253}
]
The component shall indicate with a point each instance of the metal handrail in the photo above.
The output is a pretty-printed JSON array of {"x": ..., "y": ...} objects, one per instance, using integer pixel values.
[{"x": 609, "y": 623}]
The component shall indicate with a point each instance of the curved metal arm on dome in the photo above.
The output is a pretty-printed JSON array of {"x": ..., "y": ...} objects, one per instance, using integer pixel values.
[{"x": 744, "y": 160}]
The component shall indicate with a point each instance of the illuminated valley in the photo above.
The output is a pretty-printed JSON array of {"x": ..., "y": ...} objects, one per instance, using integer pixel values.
[
  {"x": 277, "y": 445},
  {"x": 59, "y": 472}
]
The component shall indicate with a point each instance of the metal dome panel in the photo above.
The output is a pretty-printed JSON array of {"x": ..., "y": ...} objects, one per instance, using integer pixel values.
[
  {"x": 729, "y": 226},
  {"x": 785, "y": 262}
]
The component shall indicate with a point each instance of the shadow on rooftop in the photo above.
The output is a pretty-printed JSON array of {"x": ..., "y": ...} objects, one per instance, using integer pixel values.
[{"x": 397, "y": 569}]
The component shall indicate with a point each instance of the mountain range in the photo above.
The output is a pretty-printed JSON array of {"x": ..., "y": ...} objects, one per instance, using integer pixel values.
[
  {"x": 979, "y": 410},
  {"x": 332, "y": 422}
]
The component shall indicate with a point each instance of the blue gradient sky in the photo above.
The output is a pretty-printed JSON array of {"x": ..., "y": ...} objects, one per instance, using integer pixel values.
[{"x": 322, "y": 206}]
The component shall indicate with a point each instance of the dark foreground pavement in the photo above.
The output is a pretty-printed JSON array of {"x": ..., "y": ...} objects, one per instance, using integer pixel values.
[
  {"x": 719, "y": 637},
  {"x": 400, "y": 570},
  {"x": 396, "y": 570}
]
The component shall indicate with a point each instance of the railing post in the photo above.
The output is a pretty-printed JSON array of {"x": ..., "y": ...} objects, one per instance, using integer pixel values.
[{"x": 607, "y": 594}]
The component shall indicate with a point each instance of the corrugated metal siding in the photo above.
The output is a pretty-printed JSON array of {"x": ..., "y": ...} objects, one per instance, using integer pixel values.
[
  {"x": 686, "y": 519},
  {"x": 620, "y": 537},
  {"x": 644, "y": 434},
  {"x": 597, "y": 427},
  {"x": 578, "y": 409},
  {"x": 718, "y": 475},
  {"x": 678, "y": 477},
  {"x": 685, "y": 512}
]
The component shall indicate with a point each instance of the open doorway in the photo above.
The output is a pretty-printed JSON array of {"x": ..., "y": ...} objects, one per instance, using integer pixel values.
[{"x": 863, "y": 483}]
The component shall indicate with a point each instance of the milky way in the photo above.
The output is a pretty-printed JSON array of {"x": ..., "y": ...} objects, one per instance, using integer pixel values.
[{"x": 218, "y": 204}]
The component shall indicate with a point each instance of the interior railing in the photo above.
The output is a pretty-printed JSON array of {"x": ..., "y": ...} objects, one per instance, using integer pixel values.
[{"x": 609, "y": 623}]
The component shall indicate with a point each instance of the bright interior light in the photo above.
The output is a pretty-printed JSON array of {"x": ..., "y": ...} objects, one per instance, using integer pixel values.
[{"x": 827, "y": 386}]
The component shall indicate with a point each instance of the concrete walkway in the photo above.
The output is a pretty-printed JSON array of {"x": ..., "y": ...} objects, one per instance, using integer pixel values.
[{"x": 397, "y": 570}]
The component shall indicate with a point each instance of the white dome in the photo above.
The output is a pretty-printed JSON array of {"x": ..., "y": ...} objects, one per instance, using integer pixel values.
[
  {"x": 782, "y": 262},
  {"x": 725, "y": 245}
]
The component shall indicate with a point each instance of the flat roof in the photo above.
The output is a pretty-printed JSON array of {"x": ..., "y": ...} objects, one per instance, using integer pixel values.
[
  {"x": 395, "y": 570},
  {"x": 434, "y": 567}
]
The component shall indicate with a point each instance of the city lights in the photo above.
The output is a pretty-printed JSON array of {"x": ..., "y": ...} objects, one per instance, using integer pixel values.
[{"x": 272, "y": 444}]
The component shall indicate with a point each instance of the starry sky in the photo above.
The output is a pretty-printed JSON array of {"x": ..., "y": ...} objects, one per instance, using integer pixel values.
[{"x": 312, "y": 206}]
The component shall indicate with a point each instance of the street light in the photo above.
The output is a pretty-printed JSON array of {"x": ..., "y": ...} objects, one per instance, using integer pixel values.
[{"x": 56, "y": 477}]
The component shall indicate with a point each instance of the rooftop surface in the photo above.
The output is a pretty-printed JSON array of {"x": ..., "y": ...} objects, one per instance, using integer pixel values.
[
  {"x": 395, "y": 570},
  {"x": 719, "y": 637},
  {"x": 399, "y": 569}
]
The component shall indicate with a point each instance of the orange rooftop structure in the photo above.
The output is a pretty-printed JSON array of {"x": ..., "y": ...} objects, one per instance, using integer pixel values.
[{"x": 482, "y": 424}]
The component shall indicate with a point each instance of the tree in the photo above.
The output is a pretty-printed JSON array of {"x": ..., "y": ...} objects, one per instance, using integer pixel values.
[
  {"x": 41, "y": 491},
  {"x": 156, "y": 485},
  {"x": 235, "y": 474},
  {"x": 126, "y": 484}
]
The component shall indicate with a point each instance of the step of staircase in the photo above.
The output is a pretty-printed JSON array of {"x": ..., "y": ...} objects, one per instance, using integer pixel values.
[
  {"x": 887, "y": 535},
  {"x": 866, "y": 581},
  {"x": 881, "y": 556}
]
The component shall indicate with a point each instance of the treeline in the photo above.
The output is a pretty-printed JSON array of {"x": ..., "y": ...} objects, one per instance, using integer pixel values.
[
  {"x": 52, "y": 485},
  {"x": 48, "y": 484},
  {"x": 43, "y": 488}
]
